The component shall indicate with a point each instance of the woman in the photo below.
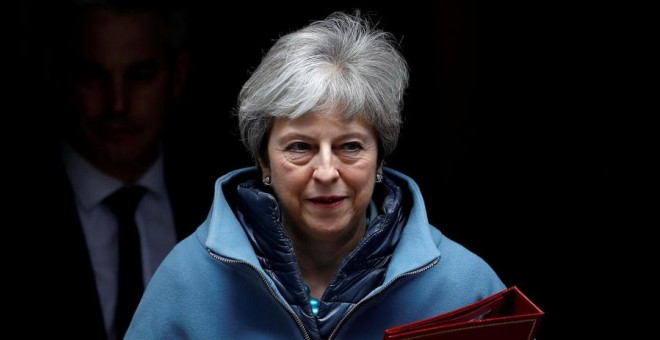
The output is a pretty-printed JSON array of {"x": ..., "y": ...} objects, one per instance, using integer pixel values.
[{"x": 320, "y": 240}]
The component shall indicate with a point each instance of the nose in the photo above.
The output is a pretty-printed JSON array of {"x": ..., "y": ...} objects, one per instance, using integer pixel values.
[
  {"x": 326, "y": 170},
  {"x": 118, "y": 95}
]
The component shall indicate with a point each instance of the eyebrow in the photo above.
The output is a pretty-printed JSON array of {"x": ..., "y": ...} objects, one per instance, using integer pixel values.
[
  {"x": 299, "y": 135},
  {"x": 151, "y": 62}
]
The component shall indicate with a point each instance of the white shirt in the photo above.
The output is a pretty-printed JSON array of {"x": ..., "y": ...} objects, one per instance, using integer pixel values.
[{"x": 154, "y": 219}]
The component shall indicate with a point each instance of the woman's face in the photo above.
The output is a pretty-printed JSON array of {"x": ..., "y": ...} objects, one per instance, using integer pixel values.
[{"x": 323, "y": 172}]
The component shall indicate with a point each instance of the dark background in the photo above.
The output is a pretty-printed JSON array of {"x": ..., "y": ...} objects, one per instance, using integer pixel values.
[{"x": 511, "y": 129}]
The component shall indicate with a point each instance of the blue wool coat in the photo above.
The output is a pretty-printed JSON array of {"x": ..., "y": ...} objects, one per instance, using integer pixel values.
[{"x": 212, "y": 285}]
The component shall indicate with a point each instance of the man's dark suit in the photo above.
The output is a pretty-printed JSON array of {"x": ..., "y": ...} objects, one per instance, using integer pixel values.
[{"x": 65, "y": 302}]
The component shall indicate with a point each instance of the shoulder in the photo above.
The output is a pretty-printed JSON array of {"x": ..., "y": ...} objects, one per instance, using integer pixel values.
[
  {"x": 183, "y": 261},
  {"x": 177, "y": 292},
  {"x": 457, "y": 255},
  {"x": 465, "y": 270}
]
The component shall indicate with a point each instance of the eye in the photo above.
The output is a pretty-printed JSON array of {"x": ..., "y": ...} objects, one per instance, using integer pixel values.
[
  {"x": 145, "y": 70},
  {"x": 298, "y": 147},
  {"x": 351, "y": 146}
]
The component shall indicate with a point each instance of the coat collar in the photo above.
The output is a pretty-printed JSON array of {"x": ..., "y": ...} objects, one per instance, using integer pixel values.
[{"x": 225, "y": 236}]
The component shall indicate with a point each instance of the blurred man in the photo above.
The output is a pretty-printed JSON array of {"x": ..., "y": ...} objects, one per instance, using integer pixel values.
[{"x": 120, "y": 72}]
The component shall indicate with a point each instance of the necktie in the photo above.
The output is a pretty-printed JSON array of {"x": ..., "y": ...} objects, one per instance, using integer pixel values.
[{"x": 122, "y": 203}]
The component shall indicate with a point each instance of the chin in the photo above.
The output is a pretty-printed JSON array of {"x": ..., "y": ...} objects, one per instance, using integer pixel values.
[
  {"x": 116, "y": 154},
  {"x": 330, "y": 231}
]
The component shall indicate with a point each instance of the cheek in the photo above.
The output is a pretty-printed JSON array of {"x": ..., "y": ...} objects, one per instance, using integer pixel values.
[
  {"x": 363, "y": 186},
  {"x": 150, "y": 101},
  {"x": 361, "y": 181},
  {"x": 288, "y": 179},
  {"x": 89, "y": 101},
  {"x": 361, "y": 174},
  {"x": 288, "y": 182}
]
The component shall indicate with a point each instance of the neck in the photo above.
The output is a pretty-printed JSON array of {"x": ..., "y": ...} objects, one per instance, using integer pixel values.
[
  {"x": 125, "y": 170},
  {"x": 319, "y": 261},
  {"x": 317, "y": 275}
]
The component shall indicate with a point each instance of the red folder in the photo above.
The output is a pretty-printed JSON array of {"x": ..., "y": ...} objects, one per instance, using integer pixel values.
[{"x": 508, "y": 315}]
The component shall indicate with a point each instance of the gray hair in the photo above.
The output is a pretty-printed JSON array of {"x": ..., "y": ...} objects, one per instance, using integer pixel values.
[{"x": 343, "y": 63}]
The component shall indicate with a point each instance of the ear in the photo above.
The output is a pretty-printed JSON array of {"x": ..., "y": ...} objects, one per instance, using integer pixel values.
[
  {"x": 380, "y": 168},
  {"x": 265, "y": 169},
  {"x": 181, "y": 66}
]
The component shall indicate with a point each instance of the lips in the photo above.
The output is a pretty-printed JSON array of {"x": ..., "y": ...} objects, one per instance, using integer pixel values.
[
  {"x": 326, "y": 200},
  {"x": 117, "y": 130},
  {"x": 120, "y": 127}
]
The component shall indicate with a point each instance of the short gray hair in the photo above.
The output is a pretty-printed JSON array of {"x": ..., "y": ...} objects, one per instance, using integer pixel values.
[{"x": 343, "y": 62}]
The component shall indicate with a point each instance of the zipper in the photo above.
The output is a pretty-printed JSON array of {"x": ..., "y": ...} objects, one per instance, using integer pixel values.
[
  {"x": 363, "y": 301},
  {"x": 270, "y": 289}
]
